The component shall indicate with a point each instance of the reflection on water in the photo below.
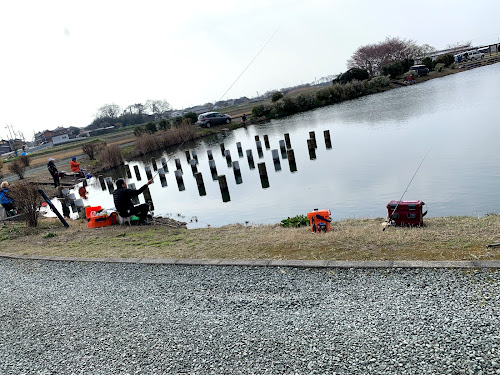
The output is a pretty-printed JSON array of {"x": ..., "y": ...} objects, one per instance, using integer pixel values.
[{"x": 352, "y": 158}]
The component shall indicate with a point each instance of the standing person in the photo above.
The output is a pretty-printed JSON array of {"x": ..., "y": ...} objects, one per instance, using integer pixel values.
[
  {"x": 75, "y": 167},
  {"x": 122, "y": 197},
  {"x": 5, "y": 200},
  {"x": 54, "y": 172},
  {"x": 244, "y": 119}
]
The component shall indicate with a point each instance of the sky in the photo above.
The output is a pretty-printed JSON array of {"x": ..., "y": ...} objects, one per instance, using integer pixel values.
[{"x": 62, "y": 60}]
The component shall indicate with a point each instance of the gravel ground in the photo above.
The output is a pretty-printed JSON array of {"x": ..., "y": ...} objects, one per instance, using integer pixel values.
[{"x": 98, "y": 318}]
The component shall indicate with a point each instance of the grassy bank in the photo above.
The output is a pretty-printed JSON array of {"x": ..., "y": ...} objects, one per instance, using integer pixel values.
[{"x": 447, "y": 238}]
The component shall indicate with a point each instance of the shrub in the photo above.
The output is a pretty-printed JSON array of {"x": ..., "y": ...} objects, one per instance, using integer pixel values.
[
  {"x": 139, "y": 130},
  {"x": 336, "y": 92},
  {"x": 295, "y": 222},
  {"x": 191, "y": 115},
  {"x": 353, "y": 73},
  {"x": 439, "y": 67},
  {"x": 110, "y": 156},
  {"x": 446, "y": 60},
  {"x": 381, "y": 81},
  {"x": 276, "y": 96},
  {"x": 147, "y": 143},
  {"x": 306, "y": 102},
  {"x": 17, "y": 168},
  {"x": 151, "y": 128},
  {"x": 263, "y": 110},
  {"x": 28, "y": 200},
  {"x": 25, "y": 160},
  {"x": 178, "y": 135},
  {"x": 187, "y": 122},
  {"x": 177, "y": 121},
  {"x": 91, "y": 149},
  {"x": 163, "y": 124},
  {"x": 323, "y": 95},
  {"x": 427, "y": 61}
]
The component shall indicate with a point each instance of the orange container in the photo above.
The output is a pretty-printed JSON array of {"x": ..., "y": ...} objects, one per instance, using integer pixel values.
[
  {"x": 89, "y": 209},
  {"x": 102, "y": 221},
  {"x": 319, "y": 220}
]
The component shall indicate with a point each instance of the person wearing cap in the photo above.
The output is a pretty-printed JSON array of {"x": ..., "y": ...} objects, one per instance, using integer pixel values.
[
  {"x": 122, "y": 197},
  {"x": 53, "y": 172},
  {"x": 75, "y": 167}
]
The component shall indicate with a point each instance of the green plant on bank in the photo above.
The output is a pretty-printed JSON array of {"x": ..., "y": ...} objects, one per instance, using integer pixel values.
[
  {"x": 295, "y": 222},
  {"x": 50, "y": 235},
  {"x": 439, "y": 67},
  {"x": 329, "y": 95}
]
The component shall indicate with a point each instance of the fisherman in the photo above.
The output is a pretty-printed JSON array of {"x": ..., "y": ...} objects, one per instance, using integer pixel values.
[
  {"x": 122, "y": 197},
  {"x": 75, "y": 167},
  {"x": 244, "y": 119},
  {"x": 53, "y": 172},
  {"x": 5, "y": 200}
]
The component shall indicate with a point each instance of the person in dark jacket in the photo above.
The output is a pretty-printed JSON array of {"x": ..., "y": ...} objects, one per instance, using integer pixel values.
[
  {"x": 53, "y": 172},
  {"x": 122, "y": 197},
  {"x": 5, "y": 200}
]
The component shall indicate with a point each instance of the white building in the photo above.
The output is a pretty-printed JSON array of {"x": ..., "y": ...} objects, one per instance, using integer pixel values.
[{"x": 58, "y": 139}]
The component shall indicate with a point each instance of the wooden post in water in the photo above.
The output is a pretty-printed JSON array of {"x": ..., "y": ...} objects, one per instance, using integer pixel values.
[
  {"x": 213, "y": 167},
  {"x": 137, "y": 173},
  {"x": 149, "y": 175},
  {"x": 200, "y": 184},
  {"x": 164, "y": 165},
  {"x": 287, "y": 140},
  {"x": 163, "y": 179},
  {"x": 148, "y": 199},
  {"x": 101, "y": 181},
  {"x": 283, "y": 149},
  {"x": 237, "y": 172},
  {"x": 192, "y": 162},
  {"x": 153, "y": 163},
  {"x": 250, "y": 159},
  {"x": 188, "y": 155},
  {"x": 224, "y": 188},
  {"x": 312, "y": 135},
  {"x": 195, "y": 156},
  {"x": 209, "y": 154},
  {"x": 276, "y": 160},
  {"x": 222, "y": 148},
  {"x": 257, "y": 139},
  {"x": 259, "y": 149},
  {"x": 135, "y": 200},
  {"x": 240, "y": 150},
  {"x": 264, "y": 180},
  {"x": 85, "y": 183},
  {"x": 178, "y": 165},
  {"x": 109, "y": 182},
  {"x": 291, "y": 160},
  {"x": 227, "y": 154},
  {"x": 127, "y": 171},
  {"x": 180, "y": 181},
  {"x": 328, "y": 140},
  {"x": 311, "y": 148},
  {"x": 266, "y": 142}
]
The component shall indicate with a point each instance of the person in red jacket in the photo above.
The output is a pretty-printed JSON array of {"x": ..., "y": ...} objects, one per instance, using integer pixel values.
[{"x": 75, "y": 167}]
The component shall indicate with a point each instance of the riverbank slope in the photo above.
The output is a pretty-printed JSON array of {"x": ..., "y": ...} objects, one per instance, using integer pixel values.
[{"x": 447, "y": 238}]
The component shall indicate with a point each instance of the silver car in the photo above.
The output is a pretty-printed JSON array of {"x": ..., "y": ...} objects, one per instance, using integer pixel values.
[{"x": 207, "y": 119}]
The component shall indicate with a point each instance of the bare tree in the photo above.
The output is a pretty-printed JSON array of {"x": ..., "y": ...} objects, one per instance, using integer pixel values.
[
  {"x": 373, "y": 56},
  {"x": 157, "y": 107},
  {"x": 136, "y": 108},
  {"x": 111, "y": 111}
]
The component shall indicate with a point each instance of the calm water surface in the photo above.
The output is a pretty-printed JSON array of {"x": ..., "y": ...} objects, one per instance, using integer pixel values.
[{"x": 377, "y": 144}]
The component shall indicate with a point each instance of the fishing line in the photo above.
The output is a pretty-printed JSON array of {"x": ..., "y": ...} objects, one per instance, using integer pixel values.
[
  {"x": 272, "y": 36},
  {"x": 400, "y": 199}
]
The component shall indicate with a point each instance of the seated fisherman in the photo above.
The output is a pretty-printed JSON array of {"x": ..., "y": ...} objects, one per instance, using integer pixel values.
[
  {"x": 5, "y": 200},
  {"x": 122, "y": 197},
  {"x": 75, "y": 167}
]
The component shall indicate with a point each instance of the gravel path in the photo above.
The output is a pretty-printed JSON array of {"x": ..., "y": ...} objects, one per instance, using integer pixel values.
[{"x": 100, "y": 318}]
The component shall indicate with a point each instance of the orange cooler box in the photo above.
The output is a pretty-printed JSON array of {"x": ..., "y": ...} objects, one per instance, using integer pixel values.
[
  {"x": 319, "y": 220},
  {"x": 102, "y": 220}
]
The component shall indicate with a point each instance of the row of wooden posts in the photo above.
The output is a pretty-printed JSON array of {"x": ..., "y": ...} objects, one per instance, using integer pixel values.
[{"x": 285, "y": 148}]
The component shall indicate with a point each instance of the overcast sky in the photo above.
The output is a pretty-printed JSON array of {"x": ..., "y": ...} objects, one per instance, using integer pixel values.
[{"x": 62, "y": 60}]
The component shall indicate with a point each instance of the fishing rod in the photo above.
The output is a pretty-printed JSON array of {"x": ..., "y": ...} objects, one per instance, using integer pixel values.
[
  {"x": 400, "y": 199},
  {"x": 236, "y": 80}
]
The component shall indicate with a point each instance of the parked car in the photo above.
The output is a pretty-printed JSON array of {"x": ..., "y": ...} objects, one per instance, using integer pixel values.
[
  {"x": 473, "y": 55},
  {"x": 207, "y": 119},
  {"x": 421, "y": 70}
]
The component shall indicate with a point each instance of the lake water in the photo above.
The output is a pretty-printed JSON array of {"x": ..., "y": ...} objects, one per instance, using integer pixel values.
[{"x": 378, "y": 142}]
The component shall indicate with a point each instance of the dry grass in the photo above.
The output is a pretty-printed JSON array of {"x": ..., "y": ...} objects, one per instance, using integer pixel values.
[{"x": 450, "y": 238}]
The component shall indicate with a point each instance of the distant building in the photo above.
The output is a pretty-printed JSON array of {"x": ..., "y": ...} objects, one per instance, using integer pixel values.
[
  {"x": 58, "y": 139},
  {"x": 5, "y": 146}
]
